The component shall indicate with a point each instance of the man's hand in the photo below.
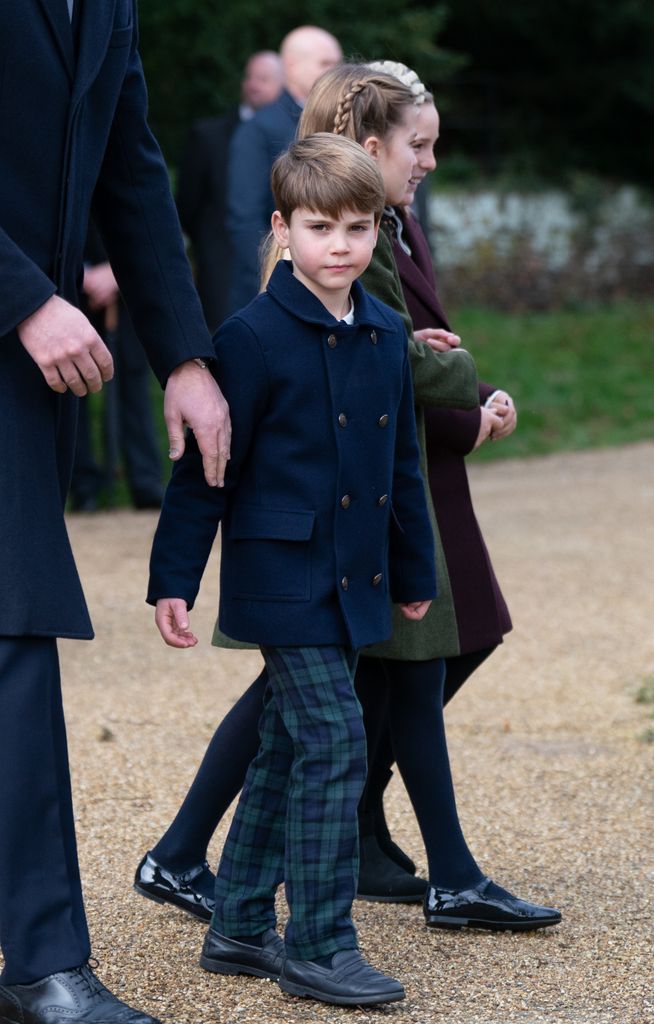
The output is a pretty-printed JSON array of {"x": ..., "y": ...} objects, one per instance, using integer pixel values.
[
  {"x": 415, "y": 610},
  {"x": 502, "y": 405},
  {"x": 438, "y": 339},
  {"x": 171, "y": 617},
  {"x": 193, "y": 398},
  {"x": 100, "y": 286},
  {"x": 66, "y": 348},
  {"x": 489, "y": 424}
]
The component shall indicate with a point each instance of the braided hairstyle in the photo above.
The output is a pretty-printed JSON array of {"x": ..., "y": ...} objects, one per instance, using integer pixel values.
[{"x": 356, "y": 101}]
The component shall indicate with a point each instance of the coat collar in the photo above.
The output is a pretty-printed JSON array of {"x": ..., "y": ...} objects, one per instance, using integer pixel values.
[
  {"x": 293, "y": 296},
  {"x": 95, "y": 29}
]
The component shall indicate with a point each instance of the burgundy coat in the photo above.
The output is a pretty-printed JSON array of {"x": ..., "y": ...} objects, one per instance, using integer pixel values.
[{"x": 481, "y": 612}]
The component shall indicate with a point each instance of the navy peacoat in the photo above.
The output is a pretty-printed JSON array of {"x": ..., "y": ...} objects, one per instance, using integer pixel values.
[
  {"x": 73, "y": 132},
  {"x": 324, "y": 518}
]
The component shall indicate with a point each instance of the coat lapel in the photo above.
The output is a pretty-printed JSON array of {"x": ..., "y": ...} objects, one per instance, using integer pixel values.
[
  {"x": 96, "y": 23},
  {"x": 56, "y": 14}
]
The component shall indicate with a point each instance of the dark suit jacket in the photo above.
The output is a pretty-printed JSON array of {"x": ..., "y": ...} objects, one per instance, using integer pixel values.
[
  {"x": 202, "y": 207},
  {"x": 255, "y": 146},
  {"x": 480, "y": 610},
  {"x": 72, "y": 129},
  {"x": 324, "y": 518}
]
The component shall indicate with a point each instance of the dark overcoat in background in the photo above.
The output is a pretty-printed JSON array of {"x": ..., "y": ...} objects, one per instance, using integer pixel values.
[
  {"x": 202, "y": 206},
  {"x": 72, "y": 130}
]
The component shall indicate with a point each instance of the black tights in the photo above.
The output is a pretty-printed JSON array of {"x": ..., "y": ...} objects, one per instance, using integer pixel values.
[{"x": 409, "y": 696}]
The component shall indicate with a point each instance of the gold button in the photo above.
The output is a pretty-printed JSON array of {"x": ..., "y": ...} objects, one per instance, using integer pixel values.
[
  {"x": 373, "y": 337},
  {"x": 381, "y": 501},
  {"x": 345, "y": 501},
  {"x": 376, "y": 580},
  {"x": 383, "y": 420},
  {"x": 342, "y": 420},
  {"x": 331, "y": 341},
  {"x": 345, "y": 583}
]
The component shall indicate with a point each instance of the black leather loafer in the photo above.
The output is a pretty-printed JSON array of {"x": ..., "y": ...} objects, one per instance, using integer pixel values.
[
  {"x": 350, "y": 981},
  {"x": 222, "y": 955},
  {"x": 155, "y": 882},
  {"x": 64, "y": 998},
  {"x": 477, "y": 908},
  {"x": 382, "y": 881}
]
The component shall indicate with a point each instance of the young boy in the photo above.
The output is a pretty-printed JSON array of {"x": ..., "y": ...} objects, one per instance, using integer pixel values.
[{"x": 323, "y": 524}]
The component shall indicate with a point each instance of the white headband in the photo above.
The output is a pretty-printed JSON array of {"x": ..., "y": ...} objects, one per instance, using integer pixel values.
[{"x": 404, "y": 75}]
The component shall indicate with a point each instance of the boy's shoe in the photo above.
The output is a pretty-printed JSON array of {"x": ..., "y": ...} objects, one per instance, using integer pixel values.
[
  {"x": 66, "y": 998},
  {"x": 381, "y": 880},
  {"x": 350, "y": 981},
  {"x": 181, "y": 889},
  {"x": 222, "y": 955},
  {"x": 485, "y": 905}
]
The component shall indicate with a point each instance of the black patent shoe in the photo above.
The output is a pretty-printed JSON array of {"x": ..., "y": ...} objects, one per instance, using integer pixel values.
[
  {"x": 478, "y": 908},
  {"x": 222, "y": 955},
  {"x": 157, "y": 883},
  {"x": 349, "y": 981},
  {"x": 382, "y": 881},
  {"x": 68, "y": 997}
]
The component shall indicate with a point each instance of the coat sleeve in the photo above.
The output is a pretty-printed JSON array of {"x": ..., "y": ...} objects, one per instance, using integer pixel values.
[
  {"x": 447, "y": 379},
  {"x": 193, "y": 179},
  {"x": 411, "y": 550},
  {"x": 23, "y": 286},
  {"x": 192, "y": 510},
  {"x": 135, "y": 212}
]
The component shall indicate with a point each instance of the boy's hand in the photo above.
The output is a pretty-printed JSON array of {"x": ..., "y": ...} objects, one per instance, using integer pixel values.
[
  {"x": 415, "y": 610},
  {"x": 438, "y": 339},
  {"x": 171, "y": 617}
]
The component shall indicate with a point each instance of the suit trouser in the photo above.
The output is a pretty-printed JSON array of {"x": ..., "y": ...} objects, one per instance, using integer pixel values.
[
  {"x": 296, "y": 819},
  {"x": 42, "y": 922}
]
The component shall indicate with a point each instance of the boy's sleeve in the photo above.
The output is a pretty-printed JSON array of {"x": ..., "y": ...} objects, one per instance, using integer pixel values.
[
  {"x": 191, "y": 509},
  {"x": 445, "y": 379},
  {"x": 412, "y": 563}
]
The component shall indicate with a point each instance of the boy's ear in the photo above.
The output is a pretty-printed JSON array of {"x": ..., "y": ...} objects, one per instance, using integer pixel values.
[
  {"x": 372, "y": 146},
  {"x": 279, "y": 229},
  {"x": 376, "y": 235}
]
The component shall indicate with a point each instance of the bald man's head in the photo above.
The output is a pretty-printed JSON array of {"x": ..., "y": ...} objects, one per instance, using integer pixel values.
[
  {"x": 306, "y": 53},
  {"x": 263, "y": 79}
]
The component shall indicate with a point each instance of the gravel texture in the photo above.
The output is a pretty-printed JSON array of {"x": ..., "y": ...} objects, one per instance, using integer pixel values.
[{"x": 553, "y": 776}]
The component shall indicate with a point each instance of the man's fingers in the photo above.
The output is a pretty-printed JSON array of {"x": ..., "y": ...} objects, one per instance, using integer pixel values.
[{"x": 102, "y": 359}]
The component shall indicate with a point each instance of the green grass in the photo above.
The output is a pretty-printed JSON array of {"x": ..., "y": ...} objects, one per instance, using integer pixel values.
[{"x": 579, "y": 378}]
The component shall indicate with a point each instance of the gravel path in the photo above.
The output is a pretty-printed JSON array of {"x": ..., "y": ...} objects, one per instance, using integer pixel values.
[{"x": 554, "y": 781}]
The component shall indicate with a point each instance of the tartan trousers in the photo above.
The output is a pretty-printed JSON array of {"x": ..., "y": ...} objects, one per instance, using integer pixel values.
[{"x": 296, "y": 820}]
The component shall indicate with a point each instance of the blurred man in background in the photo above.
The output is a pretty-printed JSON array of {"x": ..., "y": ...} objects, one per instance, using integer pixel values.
[{"x": 202, "y": 183}]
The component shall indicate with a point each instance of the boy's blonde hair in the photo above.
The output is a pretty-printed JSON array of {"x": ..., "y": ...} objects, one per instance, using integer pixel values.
[
  {"x": 356, "y": 101},
  {"x": 327, "y": 174}
]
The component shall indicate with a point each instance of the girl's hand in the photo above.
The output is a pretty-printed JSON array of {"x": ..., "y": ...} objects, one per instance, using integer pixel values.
[
  {"x": 171, "y": 617},
  {"x": 502, "y": 405},
  {"x": 490, "y": 423},
  {"x": 438, "y": 339},
  {"x": 415, "y": 610}
]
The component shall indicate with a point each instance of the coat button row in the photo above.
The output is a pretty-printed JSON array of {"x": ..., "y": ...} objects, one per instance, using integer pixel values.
[
  {"x": 381, "y": 422},
  {"x": 375, "y": 581}
]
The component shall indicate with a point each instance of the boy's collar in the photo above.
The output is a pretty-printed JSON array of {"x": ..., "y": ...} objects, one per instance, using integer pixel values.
[{"x": 297, "y": 299}]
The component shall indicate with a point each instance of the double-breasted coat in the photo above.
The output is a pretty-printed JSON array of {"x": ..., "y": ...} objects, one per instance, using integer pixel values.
[
  {"x": 73, "y": 131},
  {"x": 324, "y": 518}
]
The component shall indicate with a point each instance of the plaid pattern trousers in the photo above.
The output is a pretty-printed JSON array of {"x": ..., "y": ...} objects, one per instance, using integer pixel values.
[{"x": 296, "y": 820}]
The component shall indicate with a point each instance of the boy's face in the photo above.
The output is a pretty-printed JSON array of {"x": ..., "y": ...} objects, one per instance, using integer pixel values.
[{"x": 328, "y": 254}]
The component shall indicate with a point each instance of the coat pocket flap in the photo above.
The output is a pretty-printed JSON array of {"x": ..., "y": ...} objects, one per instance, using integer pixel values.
[{"x": 251, "y": 523}]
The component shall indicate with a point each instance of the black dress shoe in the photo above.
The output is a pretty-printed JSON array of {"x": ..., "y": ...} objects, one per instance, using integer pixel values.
[
  {"x": 350, "y": 981},
  {"x": 155, "y": 882},
  {"x": 485, "y": 905},
  {"x": 222, "y": 955},
  {"x": 381, "y": 880},
  {"x": 68, "y": 997}
]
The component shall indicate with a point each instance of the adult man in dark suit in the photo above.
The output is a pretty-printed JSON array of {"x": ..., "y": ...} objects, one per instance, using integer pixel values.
[
  {"x": 73, "y": 130},
  {"x": 202, "y": 183},
  {"x": 306, "y": 53}
]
